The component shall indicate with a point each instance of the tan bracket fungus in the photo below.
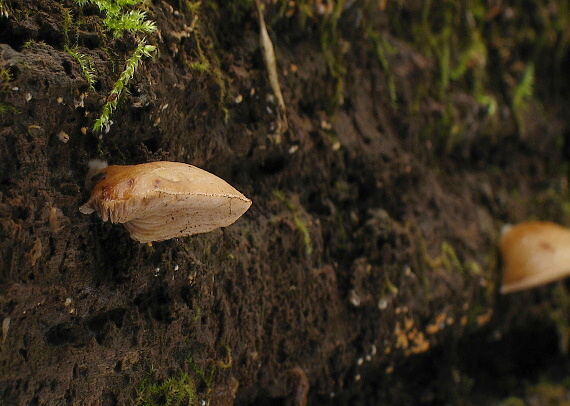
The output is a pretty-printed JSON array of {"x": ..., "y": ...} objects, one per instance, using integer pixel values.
[
  {"x": 161, "y": 200},
  {"x": 534, "y": 253}
]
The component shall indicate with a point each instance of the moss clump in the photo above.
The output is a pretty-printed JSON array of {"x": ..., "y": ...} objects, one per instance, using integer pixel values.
[
  {"x": 6, "y": 108},
  {"x": 120, "y": 17},
  {"x": 448, "y": 260},
  {"x": 5, "y": 79},
  {"x": 176, "y": 391},
  {"x": 181, "y": 389}
]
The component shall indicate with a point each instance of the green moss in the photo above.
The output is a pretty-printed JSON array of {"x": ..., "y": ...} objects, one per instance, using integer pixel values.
[
  {"x": 455, "y": 36},
  {"x": 513, "y": 401},
  {"x": 436, "y": 39},
  {"x": 331, "y": 46},
  {"x": 207, "y": 374},
  {"x": 489, "y": 101},
  {"x": 301, "y": 226},
  {"x": 7, "y": 109},
  {"x": 546, "y": 392},
  {"x": 119, "y": 17},
  {"x": 382, "y": 49},
  {"x": 85, "y": 65},
  {"x": 197, "y": 313},
  {"x": 67, "y": 23},
  {"x": 550, "y": 393},
  {"x": 449, "y": 261},
  {"x": 5, "y": 10},
  {"x": 206, "y": 59},
  {"x": 120, "y": 86},
  {"x": 522, "y": 93},
  {"x": 461, "y": 37},
  {"x": 387, "y": 291},
  {"x": 123, "y": 16},
  {"x": 179, "y": 390},
  {"x": 202, "y": 65},
  {"x": 341, "y": 235},
  {"x": 191, "y": 7},
  {"x": 228, "y": 363},
  {"x": 5, "y": 79},
  {"x": 31, "y": 43}
]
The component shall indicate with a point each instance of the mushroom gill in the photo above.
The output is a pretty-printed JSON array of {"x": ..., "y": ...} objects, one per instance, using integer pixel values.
[
  {"x": 161, "y": 200},
  {"x": 534, "y": 253}
]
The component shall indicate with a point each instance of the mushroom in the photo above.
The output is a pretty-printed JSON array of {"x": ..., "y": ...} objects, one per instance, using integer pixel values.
[
  {"x": 534, "y": 253},
  {"x": 161, "y": 200}
]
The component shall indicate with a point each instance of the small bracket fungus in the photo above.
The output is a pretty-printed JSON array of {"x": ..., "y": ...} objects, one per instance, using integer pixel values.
[
  {"x": 534, "y": 253},
  {"x": 162, "y": 200}
]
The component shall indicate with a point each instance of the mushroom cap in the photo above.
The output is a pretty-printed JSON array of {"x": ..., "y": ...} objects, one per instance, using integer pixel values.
[
  {"x": 161, "y": 200},
  {"x": 534, "y": 253}
]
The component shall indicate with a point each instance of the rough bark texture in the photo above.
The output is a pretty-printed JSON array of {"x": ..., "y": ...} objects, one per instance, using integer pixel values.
[{"x": 365, "y": 272}]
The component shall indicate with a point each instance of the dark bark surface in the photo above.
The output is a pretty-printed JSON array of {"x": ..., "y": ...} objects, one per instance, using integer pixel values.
[{"x": 366, "y": 270}]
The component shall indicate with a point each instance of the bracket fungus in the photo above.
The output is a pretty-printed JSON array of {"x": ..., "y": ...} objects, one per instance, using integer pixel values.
[
  {"x": 161, "y": 200},
  {"x": 534, "y": 253}
]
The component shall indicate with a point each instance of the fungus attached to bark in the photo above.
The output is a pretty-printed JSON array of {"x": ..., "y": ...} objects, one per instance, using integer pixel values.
[
  {"x": 534, "y": 253},
  {"x": 162, "y": 200}
]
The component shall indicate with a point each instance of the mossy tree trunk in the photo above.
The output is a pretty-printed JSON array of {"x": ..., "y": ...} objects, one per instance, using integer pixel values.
[{"x": 366, "y": 269}]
